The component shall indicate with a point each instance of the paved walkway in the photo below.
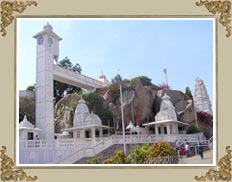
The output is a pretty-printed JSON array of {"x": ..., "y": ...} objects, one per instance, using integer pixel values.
[{"x": 208, "y": 159}]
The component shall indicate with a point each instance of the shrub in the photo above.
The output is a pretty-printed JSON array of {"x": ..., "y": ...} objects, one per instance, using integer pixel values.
[
  {"x": 118, "y": 158},
  {"x": 205, "y": 117},
  {"x": 95, "y": 160},
  {"x": 160, "y": 149},
  {"x": 193, "y": 129},
  {"x": 138, "y": 155}
]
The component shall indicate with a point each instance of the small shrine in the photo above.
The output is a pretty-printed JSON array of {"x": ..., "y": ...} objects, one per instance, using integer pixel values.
[
  {"x": 86, "y": 124},
  {"x": 166, "y": 120},
  {"x": 27, "y": 130}
]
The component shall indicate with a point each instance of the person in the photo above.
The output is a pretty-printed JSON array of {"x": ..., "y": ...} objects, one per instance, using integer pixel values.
[
  {"x": 200, "y": 151},
  {"x": 181, "y": 151},
  {"x": 185, "y": 141},
  {"x": 177, "y": 143},
  {"x": 187, "y": 149}
]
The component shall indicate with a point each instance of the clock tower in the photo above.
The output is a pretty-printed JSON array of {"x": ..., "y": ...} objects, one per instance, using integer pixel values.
[{"x": 47, "y": 51}]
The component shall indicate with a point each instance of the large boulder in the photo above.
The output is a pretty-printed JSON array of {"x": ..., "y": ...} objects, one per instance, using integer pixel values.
[{"x": 137, "y": 99}]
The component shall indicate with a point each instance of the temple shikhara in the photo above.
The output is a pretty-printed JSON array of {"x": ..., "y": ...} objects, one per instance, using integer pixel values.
[
  {"x": 87, "y": 136},
  {"x": 201, "y": 99}
]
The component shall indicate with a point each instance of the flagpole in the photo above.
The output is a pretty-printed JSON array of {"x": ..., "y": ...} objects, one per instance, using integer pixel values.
[
  {"x": 165, "y": 72},
  {"x": 123, "y": 125}
]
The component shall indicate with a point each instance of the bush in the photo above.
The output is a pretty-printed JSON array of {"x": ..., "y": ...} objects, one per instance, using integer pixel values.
[
  {"x": 144, "y": 154},
  {"x": 193, "y": 129},
  {"x": 118, "y": 158},
  {"x": 95, "y": 160},
  {"x": 138, "y": 155},
  {"x": 160, "y": 149},
  {"x": 205, "y": 117}
]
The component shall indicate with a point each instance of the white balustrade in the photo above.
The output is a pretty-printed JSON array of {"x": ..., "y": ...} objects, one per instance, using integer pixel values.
[{"x": 70, "y": 150}]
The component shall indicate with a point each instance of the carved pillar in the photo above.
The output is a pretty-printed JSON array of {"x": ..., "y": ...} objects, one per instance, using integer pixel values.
[
  {"x": 168, "y": 129},
  {"x": 100, "y": 132},
  {"x": 156, "y": 130}
]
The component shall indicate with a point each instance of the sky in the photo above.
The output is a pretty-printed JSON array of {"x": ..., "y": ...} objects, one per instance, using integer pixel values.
[{"x": 130, "y": 47}]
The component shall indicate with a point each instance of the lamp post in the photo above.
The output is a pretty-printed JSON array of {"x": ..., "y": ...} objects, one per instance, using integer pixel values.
[
  {"x": 123, "y": 125},
  {"x": 165, "y": 72}
]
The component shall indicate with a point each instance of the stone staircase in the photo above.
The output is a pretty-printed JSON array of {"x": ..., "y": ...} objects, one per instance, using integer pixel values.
[{"x": 109, "y": 152}]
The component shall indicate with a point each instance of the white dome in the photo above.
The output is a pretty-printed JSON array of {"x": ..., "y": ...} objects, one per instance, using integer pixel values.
[
  {"x": 167, "y": 110},
  {"x": 93, "y": 119},
  {"x": 81, "y": 112},
  {"x": 81, "y": 107}
]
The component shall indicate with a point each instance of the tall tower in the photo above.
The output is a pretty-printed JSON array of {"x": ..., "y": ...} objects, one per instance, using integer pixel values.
[
  {"x": 201, "y": 99},
  {"x": 47, "y": 51}
]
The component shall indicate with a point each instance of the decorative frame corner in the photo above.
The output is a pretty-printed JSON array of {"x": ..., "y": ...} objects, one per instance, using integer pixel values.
[
  {"x": 222, "y": 8},
  {"x": 224, "y": 169},
  {"x": 7, "y": 10},
  {"x": 9, "y": 171}
]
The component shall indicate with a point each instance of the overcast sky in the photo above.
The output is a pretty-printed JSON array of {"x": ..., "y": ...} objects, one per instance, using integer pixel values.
[{"x": 130, "y": 47}]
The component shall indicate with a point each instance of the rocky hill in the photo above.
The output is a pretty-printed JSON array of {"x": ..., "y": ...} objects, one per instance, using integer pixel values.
[{"x": 140, "y": 102}]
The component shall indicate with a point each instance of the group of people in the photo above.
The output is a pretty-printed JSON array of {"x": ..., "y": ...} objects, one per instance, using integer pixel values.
[{"x": 184, "y": 149}]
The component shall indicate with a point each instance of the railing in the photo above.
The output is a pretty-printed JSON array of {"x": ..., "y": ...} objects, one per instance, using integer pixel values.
[
  {"x": 59, "y": 70},
  {"x": 71, "y": 150},
  {"x": 210, "y": 143}
]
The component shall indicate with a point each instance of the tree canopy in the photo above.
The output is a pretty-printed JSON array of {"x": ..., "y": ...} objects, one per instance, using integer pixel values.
[
  {"x": 117, "y": 79},
  {"x": 188, "y": 92},
  {"x": 143, "y": 79},
  {"x": 95, "y": 104},
  {"x": 67, "y": 64},
  {"x": 31, "y": 88}
]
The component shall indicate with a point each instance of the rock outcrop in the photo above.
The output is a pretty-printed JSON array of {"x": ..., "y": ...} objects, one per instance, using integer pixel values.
[{"x": 141, "y": 104}]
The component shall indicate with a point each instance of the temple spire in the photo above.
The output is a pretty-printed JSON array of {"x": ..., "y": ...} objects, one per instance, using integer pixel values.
[{"x": 201, "y": 97}]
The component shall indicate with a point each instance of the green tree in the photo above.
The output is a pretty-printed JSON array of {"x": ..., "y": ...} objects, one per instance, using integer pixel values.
[
  {"x": 31, "y": 88},
  {"x": 95, "y": 104},
  {"x": 117, "y": 79},
  {"x": 67, "y": 64},
  {"x": 142, "y": 79},
  {"x": 188, "y": 92},
  {"x": 60, "y": 89}
]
